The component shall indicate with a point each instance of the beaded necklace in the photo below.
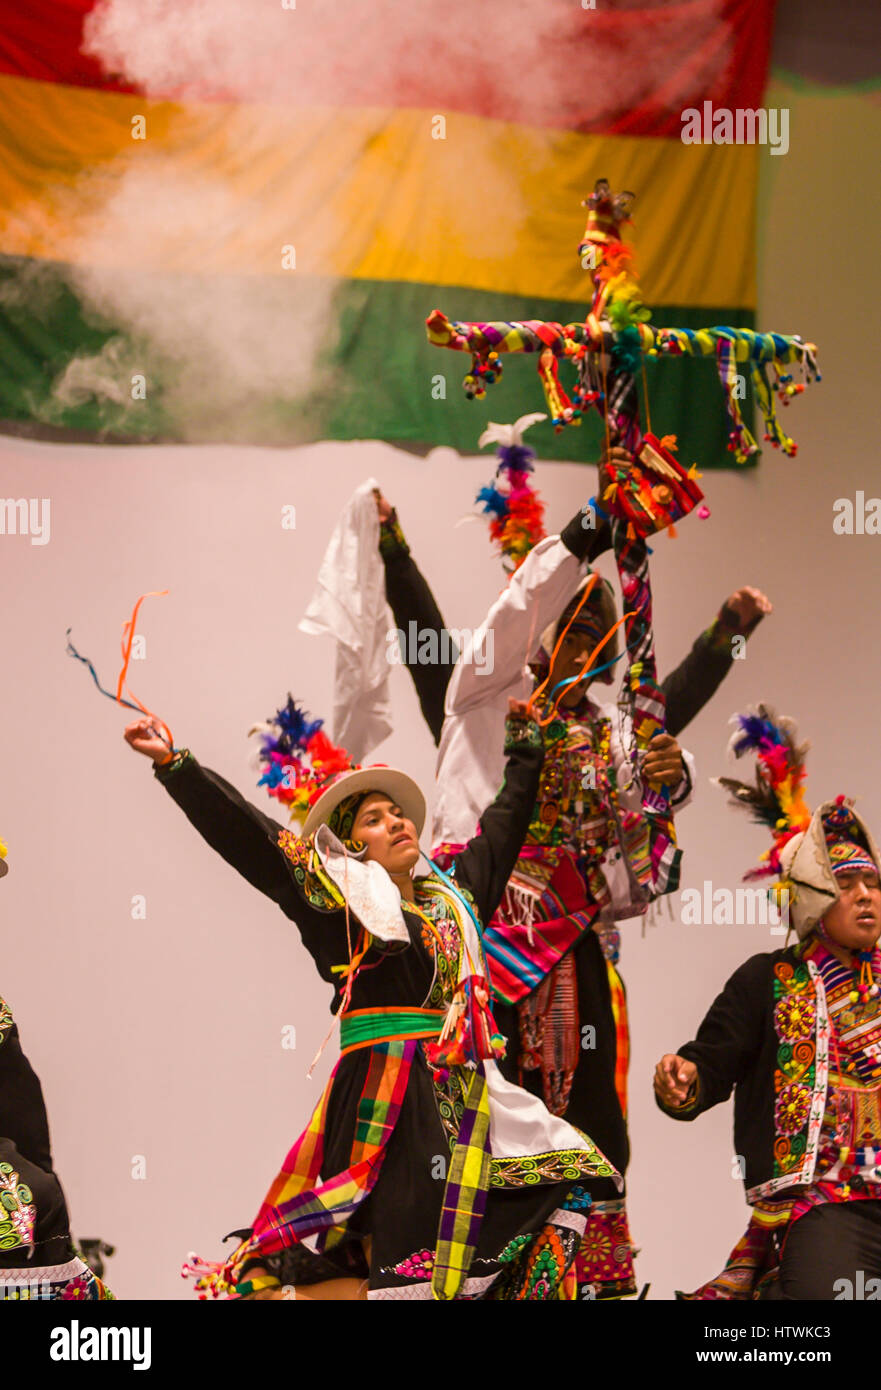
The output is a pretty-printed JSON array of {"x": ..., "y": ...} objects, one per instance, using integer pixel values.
[{"x": 577, "y": 786}]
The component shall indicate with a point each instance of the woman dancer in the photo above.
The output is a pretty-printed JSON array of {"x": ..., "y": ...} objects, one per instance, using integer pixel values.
[{"x": 422, "y": 1173}]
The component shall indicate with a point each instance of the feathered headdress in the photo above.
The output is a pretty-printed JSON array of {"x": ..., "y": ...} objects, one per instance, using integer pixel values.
[
  {"x": 514, "y": 507},
  {"x": 297, "y": 758},
  {"x": 777, "y": 797}
]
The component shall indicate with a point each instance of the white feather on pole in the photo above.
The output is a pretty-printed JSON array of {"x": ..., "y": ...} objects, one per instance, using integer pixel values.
[{"x": 509, "y": 435}]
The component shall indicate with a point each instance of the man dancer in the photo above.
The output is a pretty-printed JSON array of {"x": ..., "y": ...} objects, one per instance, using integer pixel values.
[
  {"x": 796, "y": 1033},
  {"x": 563, "y": 1005}
]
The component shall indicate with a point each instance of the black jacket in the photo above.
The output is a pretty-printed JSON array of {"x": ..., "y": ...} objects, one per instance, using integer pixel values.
[
  {"x": 253, "y": 843},
  {"x": 24, "y": 1145},
  {"x": 737, "y": 1048}
]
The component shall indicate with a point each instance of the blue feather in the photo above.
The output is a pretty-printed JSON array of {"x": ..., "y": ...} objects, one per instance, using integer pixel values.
[
  {"x": 274, "y": 775},
  {"x": 493, "y": 501},
  {"x": 296, "y": 729}
]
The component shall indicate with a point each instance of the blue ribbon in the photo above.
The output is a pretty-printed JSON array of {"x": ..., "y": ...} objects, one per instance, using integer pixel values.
[{"x": 72, "y": 651}]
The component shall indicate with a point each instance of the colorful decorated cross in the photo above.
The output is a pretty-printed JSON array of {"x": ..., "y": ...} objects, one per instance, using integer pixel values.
[
  {"x": 608, "y": 351},
  {"x": 607, "y": 348}
]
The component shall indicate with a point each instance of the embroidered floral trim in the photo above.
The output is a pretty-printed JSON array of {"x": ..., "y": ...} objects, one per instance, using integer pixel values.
[
  {"x": 443, "y": 944},
  {"x": 318, "y": 891},
  {"x": 791, "y": 1114},
  {"x": 6, "y": 1020},
  {"x": 18, "y": 1215},
  {"x": 565, "y": 1165},
  {"x": 520, "y": 730},
  {"x": 800, "y": 1080},
  {"x": 794, "y": 1017}
]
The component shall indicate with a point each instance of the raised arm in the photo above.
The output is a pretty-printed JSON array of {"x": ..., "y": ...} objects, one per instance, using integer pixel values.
[
  {"x": 412, "y": 602},
  {"x": 697, "y": 678},
  {"x": 534, "y": 596},
  {"x": 487, "y": 861},
  {"x": 727, "y": 1044},
  {"x": 242, "y": 835}
]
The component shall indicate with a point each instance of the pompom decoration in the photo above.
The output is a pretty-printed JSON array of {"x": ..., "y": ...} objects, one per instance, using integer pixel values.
[
  {"x": 653, "y": 491},
  {"x": 469, "y": 1034},
  {"x": 777, "y": 798},
  {"x": 297, "y": 757},
  {"x": 617, "y": 319},
  {"x": 515, "y": 510}
]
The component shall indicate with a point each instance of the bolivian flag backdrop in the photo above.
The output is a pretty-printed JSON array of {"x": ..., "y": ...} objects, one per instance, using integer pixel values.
[{"x": 230, "y": 221}]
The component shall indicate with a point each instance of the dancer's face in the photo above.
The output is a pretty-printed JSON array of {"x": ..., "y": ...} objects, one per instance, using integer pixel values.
[
  {"x": 389, "y": 836},
  {"x": 575, "y": 649},
  {"x": 854, "y": 920}
]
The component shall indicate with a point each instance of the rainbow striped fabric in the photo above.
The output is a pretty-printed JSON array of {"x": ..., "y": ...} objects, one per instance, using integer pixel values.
[{"x": 193, "y": 249}]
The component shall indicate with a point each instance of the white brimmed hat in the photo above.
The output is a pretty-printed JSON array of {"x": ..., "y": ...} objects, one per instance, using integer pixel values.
[{"x": 393, "y": 783}]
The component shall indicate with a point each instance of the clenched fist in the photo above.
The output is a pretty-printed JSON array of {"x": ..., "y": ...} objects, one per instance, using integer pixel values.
[
  {"x": 662, "y": 764},
  {"x": 674, "y": 1078},
  {"x": 142, "y": 736}
]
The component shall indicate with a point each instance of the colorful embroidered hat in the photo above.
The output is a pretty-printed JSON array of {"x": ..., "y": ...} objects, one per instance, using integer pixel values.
[
  {"x": 809, "y": 868},
  {"x": 845, "y": 842},
  {"x": 845, "y": 857},
  {"x": 595, "y": 619},
  {"x": 808, "y": 849}
]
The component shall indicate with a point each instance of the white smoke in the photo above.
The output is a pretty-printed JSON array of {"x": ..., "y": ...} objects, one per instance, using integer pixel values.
[
  {"x": 222, "y": 348},
  {"x": 537, "y": 60},
  {"x": 237, "y": 348}
]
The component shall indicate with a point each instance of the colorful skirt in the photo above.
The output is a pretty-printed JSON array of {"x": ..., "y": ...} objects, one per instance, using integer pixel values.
[
  {"x": 450, "y": 1210},
  {"x": 604, "y": 1262}
]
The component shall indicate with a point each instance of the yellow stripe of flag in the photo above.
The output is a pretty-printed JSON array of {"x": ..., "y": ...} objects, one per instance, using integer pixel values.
[{"x": 361, "y": 194}]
